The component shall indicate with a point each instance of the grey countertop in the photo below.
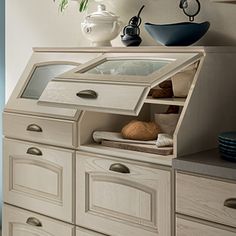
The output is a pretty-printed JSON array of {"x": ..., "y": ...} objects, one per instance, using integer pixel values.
[{"x": 206, "y": 163}]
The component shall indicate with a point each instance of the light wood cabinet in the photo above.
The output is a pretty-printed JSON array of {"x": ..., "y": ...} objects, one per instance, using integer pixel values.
[
  {"x": 42, "y": 130},
  {"x": 18, "y": 222},
  {"x": 206, "y": 198},
  {"x": 39, "y": 178},
  {"x": 185, "y": 227},
  {"x": 53, "y": 112},
  {"x": 122, "y": 198}
]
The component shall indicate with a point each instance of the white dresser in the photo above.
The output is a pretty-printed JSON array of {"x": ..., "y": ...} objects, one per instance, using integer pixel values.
[{"x": 58, "y": 181}]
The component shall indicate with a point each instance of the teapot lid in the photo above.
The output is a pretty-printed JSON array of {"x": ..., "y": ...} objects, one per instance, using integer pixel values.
[{"x": 102, "y": 14}]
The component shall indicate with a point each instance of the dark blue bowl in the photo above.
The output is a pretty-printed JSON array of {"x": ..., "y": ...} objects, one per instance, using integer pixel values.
[{"x": 178, "y": 34}]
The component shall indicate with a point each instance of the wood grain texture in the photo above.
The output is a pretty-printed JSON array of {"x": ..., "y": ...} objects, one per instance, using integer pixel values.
[
  {"x": 204, "y": 198},
  {"x": 84, "y": 232},
  {"x": 122, "y": 204},
  {"x": 187, "y": 227},
  {"x": 39, "y": 183},
  {"x": 14, "y": 224}
]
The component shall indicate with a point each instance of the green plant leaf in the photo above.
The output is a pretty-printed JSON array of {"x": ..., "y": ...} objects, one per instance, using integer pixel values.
[
  {"x": 63, "y": 5},
  {"x": 83, "y": 5}
]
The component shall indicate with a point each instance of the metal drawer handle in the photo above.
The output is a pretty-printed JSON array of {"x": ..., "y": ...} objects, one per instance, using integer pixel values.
[
  {"x": 91, "y": 94},
  {"x": 231, "y": 203},
  {"x": 34, "y": 151},
  {"x": 34, "y": 128},
  {"x": 117, "y": 167},
  {"x": 34, "y": 222}
]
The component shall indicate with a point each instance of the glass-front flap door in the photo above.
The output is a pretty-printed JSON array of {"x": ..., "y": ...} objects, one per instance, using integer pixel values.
[
  {"x": 42, "y": 67},
  {"x": 114, "y": 82},
  {"x": 139, "y": 68}
]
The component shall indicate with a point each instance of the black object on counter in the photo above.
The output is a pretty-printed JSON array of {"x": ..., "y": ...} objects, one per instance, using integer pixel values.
[
  {"x": 131, "y": 32},
  {"x": 191, "y": 8}
]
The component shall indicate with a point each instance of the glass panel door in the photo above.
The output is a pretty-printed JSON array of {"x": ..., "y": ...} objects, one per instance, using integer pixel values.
[
  {"x": 40, "y": 78},
  {"x": 139, "y": 67}
]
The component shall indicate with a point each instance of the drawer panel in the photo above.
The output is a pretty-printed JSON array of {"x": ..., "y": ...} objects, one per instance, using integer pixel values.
[
  {"x": 18, "y": 222},
  {"x": 110, "y": 98},
  {"x": 42, "y": 130},
  {"x": 205, "y": 198},
  {"x": 85, "y": 232},
  {"x": 121, "y": 198},
  {"x": 39, "y": 178},
  {"x": 190, "y": 228}
]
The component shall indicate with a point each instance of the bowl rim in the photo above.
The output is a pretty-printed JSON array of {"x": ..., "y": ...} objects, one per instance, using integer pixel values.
[{"x": 178, "y": 23}]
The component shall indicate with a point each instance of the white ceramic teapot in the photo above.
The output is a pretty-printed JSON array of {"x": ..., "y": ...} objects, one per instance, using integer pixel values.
[{"x": 101, "y": 27}]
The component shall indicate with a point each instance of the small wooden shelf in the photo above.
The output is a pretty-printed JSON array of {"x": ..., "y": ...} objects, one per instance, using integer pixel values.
[{"x": 166, "y": 101}]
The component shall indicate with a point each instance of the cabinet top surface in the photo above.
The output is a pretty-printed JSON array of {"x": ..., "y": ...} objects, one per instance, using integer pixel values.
[
  {"x": 228, "y": 49},
  {"x": 206, "y": 163}
]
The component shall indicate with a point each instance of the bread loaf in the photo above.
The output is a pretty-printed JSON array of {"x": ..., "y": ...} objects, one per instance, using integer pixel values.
[{"x": 139, "y": 130}]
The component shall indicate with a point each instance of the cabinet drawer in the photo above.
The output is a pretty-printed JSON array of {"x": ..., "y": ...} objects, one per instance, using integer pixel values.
[
  {"x": 110, "y": 98},
  {"x": 42, "y": 130},
  {"x": 121, "y": 198},
  {"x": 206, "y": 198},
  {"x": 39, "y": 178},
  {"x": 85, "y": 232},
  {"x": 190, "y": 228},
  {"x": 18, "y": 222}
]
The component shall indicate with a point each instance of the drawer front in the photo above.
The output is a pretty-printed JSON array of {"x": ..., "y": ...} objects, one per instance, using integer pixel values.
[
  {"x": 121, "y": 198},
  {"x": 206, "y": 198},
  {"x": 39, "y": 178},
  {"x": 110, "y": 98},
  {"x": 85, "y": 232},
  {"x": 18, "y": 222},
  {"x": 42, "y": 130},
  {"x": 190, "y": 228}
]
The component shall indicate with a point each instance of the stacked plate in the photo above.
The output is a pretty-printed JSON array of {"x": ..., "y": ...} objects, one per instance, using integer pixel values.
[{"x": 227, "y": 145}]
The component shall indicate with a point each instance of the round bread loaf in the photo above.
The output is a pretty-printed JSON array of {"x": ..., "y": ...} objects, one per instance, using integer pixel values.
[{"x": 139, "y": 130}]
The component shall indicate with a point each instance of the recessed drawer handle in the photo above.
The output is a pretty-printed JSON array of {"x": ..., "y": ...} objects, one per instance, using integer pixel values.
[
  {"x": 34, "y": 128},
  {"x": 91, "y": 94},
  {"x": 117, "y": 167},
  {"x": 231, "y": 203},
  {"x": 34, "y": 222},
  {"x": 34, "y": 151}
]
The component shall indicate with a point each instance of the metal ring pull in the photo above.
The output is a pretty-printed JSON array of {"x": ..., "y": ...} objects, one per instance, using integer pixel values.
[
  {"x": 34, "y": 222},
  {"x": 117, "y": 167},
  {"x": 34, "y": 151},
  {"x": 231, "y": 203},
  {"x": 90, "y": 94},
  {"x": 34, "y": 128}
]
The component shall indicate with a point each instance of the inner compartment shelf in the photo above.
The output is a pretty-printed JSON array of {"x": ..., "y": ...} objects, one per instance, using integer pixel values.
[
  {"x": 166, "y": 101},
  {"x": 106, "y": 131}
]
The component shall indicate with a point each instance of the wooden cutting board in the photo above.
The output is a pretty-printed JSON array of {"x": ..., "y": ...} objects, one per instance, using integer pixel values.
[{"x": 139, "y": 147}]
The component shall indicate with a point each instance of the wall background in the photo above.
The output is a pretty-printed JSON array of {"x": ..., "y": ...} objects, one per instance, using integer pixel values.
[
  {"x": 39, "y": 23},
  {"x": 2, "y": 84}
]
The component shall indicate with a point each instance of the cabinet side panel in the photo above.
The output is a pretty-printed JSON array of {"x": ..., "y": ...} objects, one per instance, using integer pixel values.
[{"x": 210, "y": 109}]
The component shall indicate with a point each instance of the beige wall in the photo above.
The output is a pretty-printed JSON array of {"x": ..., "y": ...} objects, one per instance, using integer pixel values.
[{"x": 34, "y": 23}]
